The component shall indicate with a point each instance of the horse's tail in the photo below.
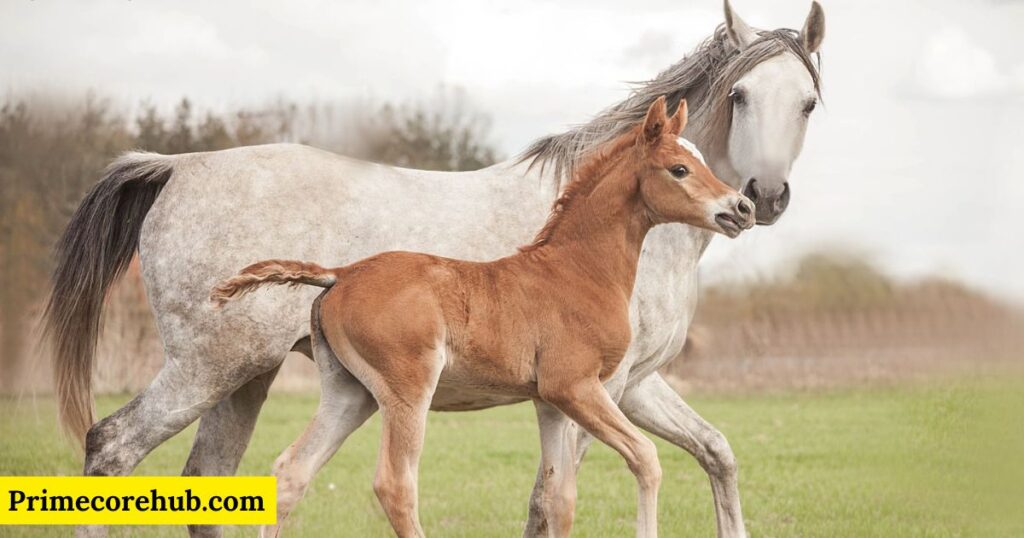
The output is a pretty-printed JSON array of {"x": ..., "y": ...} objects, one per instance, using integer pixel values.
[
  {"x": 95, "y": 249},
  {"x": 272, "y": 272}
]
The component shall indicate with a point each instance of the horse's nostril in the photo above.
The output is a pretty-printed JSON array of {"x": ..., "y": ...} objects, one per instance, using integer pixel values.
[
  {"x": 783, "y": 201},
  {"x": 750, "y": 191}
]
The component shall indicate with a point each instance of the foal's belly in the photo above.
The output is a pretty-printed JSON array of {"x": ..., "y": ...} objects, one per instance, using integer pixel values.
[
  {"x": 470, "y": 382},
  {"x": 456, "y": 398}
]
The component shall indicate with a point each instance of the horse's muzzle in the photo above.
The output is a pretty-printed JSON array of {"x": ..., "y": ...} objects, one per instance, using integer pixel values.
[{"x": 771, "y": 201}]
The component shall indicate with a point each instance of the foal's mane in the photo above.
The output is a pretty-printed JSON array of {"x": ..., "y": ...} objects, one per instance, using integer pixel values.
[
  {"x": 588, "y": 174},
  {"x": 704, "y": 78}
]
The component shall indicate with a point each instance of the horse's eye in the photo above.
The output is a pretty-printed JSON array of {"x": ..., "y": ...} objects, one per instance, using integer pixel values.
[
  {"x": 809, "y": 107},
  {"x": 679, "y": 171},
  {"x": 738, "y": 97}
]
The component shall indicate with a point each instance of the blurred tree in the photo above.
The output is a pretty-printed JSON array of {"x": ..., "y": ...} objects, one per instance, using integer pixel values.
[
  {"x": 151, "y": 135},
  {"x": 248, "y": 130},
  {"x": 212, "y": 134},
  {"x": 49, "y": 155},
  {"x": 445, "y": 134},
  {"x": 180, "y": 140}
]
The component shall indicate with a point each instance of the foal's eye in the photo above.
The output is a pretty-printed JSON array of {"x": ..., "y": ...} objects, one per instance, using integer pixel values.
[
  {"x": 679, "y": 171},
  {"x": 738, "y": 97},
  {"x": 809, "y": 107}
]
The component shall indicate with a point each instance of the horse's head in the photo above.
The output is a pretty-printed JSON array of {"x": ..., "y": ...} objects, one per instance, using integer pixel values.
[
  {"x": 765, "y": 97},
  {"x": 752, "y": 92},
  {"x": 676, "y": 184}
]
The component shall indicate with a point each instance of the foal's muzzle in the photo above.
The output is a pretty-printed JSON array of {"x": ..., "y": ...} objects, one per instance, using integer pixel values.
[
  {"x": 740, "y": 217},
  {"x": 771, "y": 199}
]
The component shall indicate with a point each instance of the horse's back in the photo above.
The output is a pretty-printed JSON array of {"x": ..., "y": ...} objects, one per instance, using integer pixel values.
[{"x": 221, "y": 211}]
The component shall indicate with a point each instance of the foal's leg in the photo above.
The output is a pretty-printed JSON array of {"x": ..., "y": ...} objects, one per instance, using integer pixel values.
[
  {"x": 556, "y": 480},
  {"x": 401, "y": 445},
  {"x": 587, "y": 402},
  {"x": 655, "y": 407},
  {"x": 576, "y": 442},
  {"x": 223, "y": 435},
  {"x": 403, "y": 391},
  {"x": 345, "y": 404}
]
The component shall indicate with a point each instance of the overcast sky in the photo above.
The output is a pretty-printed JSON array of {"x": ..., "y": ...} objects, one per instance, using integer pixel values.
[{"x": 915, "y": 160}]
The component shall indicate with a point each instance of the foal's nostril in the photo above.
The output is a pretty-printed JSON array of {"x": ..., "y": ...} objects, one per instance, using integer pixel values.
[{"x": 744, "y": 208}]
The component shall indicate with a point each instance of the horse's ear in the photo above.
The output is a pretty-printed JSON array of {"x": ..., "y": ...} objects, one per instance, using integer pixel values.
[
  {"x": 740, "y": 35},
  {"x": 657, "y": 118},
  {"x": 814, "y": 28},
  {"x": 678, "y": 122}
]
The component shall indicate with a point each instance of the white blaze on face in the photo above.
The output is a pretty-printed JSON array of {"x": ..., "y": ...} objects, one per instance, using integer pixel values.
[{"x": 692, "y": 148}]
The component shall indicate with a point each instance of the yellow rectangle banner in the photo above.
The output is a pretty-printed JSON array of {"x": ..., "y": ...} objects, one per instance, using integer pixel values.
[{"x": 138, "y": 500}]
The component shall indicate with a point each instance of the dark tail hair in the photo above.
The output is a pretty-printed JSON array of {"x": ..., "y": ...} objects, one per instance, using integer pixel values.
[
  {"x": 272, "y": 272},
  {"x": 95, "y": 249}
]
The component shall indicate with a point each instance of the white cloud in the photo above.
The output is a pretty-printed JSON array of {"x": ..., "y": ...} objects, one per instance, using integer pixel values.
[{"x": 953, "y": 66}]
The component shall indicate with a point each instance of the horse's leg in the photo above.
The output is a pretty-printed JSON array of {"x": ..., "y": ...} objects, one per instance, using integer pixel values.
[
  {"x": 587, "y": 402},
  {"x": 340, "y": 413},
  {"x": 655, "y": 407},
  {"x": 223, "y": 435},
  {"x": 537, "y": 523},
  {"x": 345, "y": 404},
  {"x": 115, "y": 445},
  {"x": 571, "y": 440},
  {"x": 556, "y": 480}
]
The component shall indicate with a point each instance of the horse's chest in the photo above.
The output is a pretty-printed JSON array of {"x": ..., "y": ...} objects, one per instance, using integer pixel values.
[{"x": 661, "y": 316}]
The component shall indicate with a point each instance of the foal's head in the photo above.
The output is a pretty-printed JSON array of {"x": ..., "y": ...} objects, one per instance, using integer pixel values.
[{"x": 676, "y": 184}]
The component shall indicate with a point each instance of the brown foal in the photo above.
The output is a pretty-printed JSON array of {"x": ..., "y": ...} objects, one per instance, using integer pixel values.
[{"x": 549, "y": 323}]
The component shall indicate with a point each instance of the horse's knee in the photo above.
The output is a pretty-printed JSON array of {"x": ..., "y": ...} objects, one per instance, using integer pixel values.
[
  {"x": 102, "y": 455},
  {"x": 647, "y": 466},
  {"x": 116, "y": 444},
  {"x": 563, "y": 500},
  {"x": 559, "y": 489},
  {"x": 719, "y": 458},
  {"x": 95, "y": 440},
  {"x": 289, "y": 492}
]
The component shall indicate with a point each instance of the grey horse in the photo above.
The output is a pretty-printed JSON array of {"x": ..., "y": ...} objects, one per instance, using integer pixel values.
[{"x": 197, "y": 218}]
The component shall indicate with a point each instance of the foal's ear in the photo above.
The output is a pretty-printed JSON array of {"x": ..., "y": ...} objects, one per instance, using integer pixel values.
[
  {"x": 678, "y": 122},
  {"x": 814, "y": 28},
  {"x": 657, "y": 118}
]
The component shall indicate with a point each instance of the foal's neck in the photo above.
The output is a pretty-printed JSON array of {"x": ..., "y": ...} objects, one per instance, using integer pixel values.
[{"x": 599, "y": 224}]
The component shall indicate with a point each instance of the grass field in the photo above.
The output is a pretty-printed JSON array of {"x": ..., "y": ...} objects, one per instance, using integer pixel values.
[{"x": 937, "y": 461}]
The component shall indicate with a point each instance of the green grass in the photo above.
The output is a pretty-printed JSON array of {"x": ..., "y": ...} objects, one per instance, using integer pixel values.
[{"x": 939, "y": 461}]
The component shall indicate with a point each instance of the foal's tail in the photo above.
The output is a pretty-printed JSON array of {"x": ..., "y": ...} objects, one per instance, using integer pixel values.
[
  {"x": 272, "y": 272},
  {"x": 94, "y": 250}
]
